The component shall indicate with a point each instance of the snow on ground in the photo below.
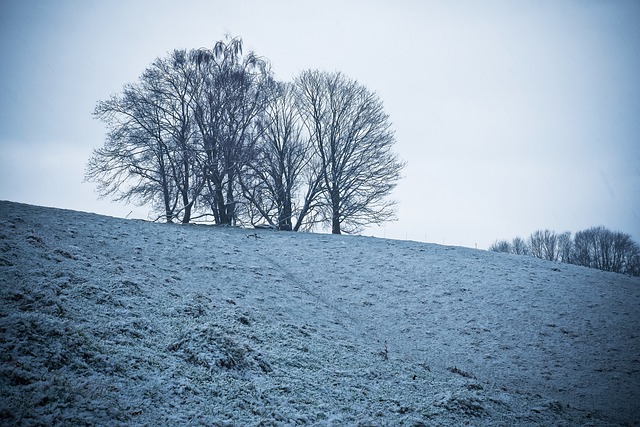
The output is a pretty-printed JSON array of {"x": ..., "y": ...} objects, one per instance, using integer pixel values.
[{"x": 121, "y": 322}]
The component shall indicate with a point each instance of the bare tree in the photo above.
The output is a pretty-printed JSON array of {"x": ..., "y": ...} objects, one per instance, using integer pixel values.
[
  {"x": 550, "y": 245},
  {"x": 135, "y": 163},
  {"x": 519, "y": 246},
  {"x": 536, "y": 244},
  {"x": 150, "y": 152},
  {"x": 231, "y": 95},
  {"x": 598, "y": 247},
  {"x": 544, "y": 245},
  {"x": 352, "y": 137},
  {"x": 565, "y": 247},
  {"x": 284, "y": 159},
  {"x": 588, "y": 245},
  {"x": 171, "y": 79},
  {"x": 501, "y": 246},
  {"x": 583, "y": 247},
  {"x": 624, "y": 253},
  {"x": 633, "y": 262}
]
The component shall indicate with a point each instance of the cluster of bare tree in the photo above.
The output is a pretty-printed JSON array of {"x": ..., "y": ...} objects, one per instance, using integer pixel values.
[
  {"x": 596, "y": 247},
  {"x": 210, "y": 134}
]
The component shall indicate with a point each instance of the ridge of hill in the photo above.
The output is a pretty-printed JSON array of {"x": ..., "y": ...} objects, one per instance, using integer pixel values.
[{"x": 108, "y": 321}]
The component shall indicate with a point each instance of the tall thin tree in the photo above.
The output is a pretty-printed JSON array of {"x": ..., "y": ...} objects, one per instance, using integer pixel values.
[
  {"x": 353, "y": 139},
  {"x": 231, "y": 96}
]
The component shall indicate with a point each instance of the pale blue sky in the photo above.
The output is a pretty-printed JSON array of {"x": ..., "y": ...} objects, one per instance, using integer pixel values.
[{"x": 512, "y": 116}]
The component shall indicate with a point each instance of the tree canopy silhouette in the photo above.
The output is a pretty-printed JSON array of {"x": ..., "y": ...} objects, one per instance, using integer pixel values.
[{"x": 210, "y": 133}]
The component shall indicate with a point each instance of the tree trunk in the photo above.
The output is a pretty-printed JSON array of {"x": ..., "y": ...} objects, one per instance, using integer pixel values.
[
  {"x": 335, "y": 216},
  {"x": 230, "y": 205},
  {"x": 335, "y": 228},
  {"x": 167, "y": 206},
  {"x": 222, "y": 209},
  {"x": 302, "y": 214},
  {"x": 187, "y": 213},
  {"x": 185, "y": 193},
  {"x": 284, "y": 222}
]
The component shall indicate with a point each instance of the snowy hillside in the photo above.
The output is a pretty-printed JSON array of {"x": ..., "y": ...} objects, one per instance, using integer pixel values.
[{"x": 107, "y": 321}]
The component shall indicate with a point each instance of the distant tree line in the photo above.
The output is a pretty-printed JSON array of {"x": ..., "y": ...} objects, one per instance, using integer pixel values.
[
  {"x": 210, "y": 134},
  {"x": 596, "y": 247}
]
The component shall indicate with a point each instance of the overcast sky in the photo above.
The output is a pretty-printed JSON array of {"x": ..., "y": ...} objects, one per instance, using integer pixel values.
[{"x": 513, "y": 116}]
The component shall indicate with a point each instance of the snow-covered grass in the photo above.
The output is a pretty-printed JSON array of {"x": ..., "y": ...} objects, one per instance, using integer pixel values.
[{"x": 121, "y": 322}]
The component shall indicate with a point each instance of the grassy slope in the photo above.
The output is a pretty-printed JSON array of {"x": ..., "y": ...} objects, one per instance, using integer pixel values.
[{"x": 108, "y": 321}]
